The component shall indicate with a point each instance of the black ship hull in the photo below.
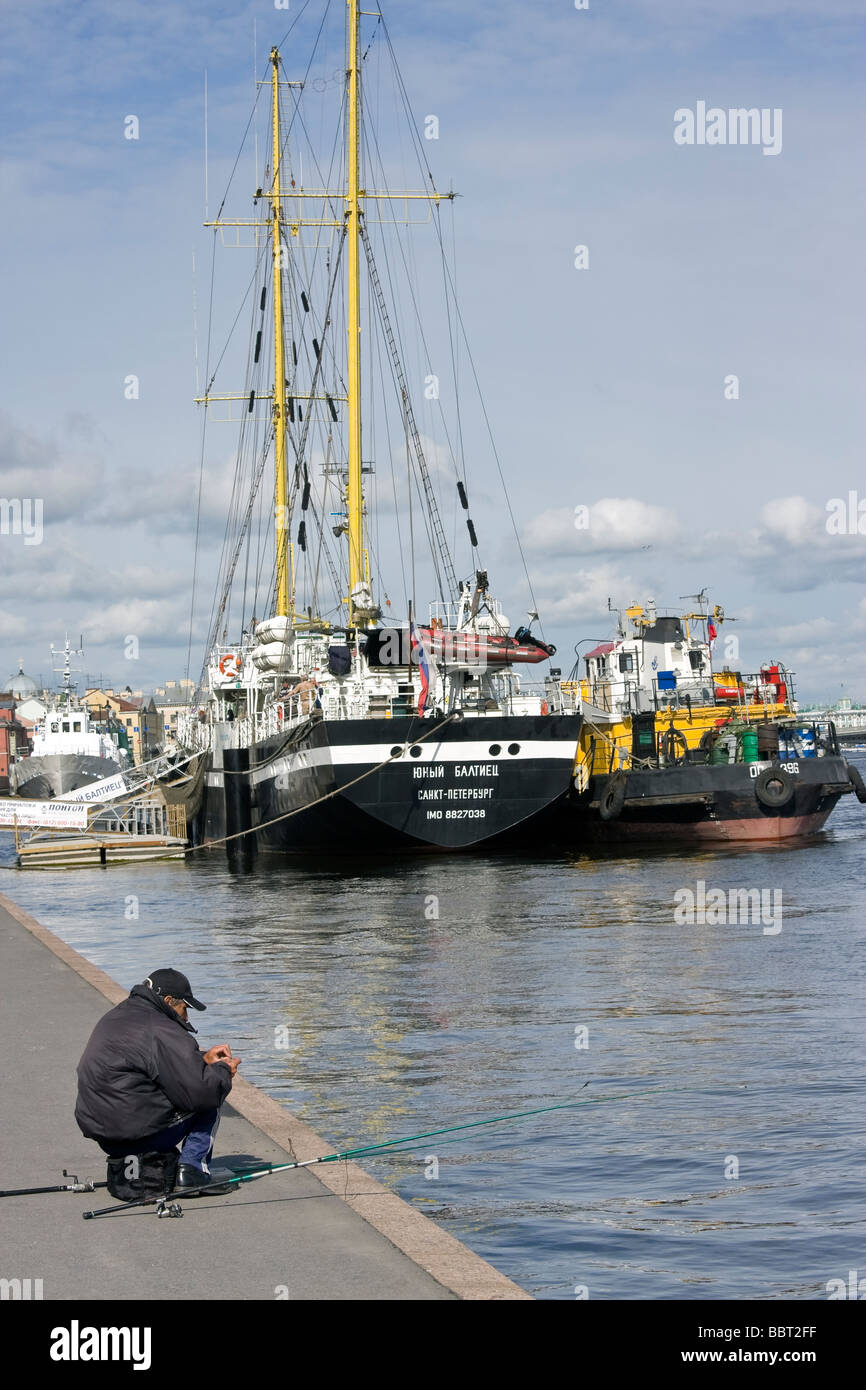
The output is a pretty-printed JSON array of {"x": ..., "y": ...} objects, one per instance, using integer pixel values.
[
  {"x": 344, "y": 786},
  {"x": 702, "y": 803},
  {"x": 54, "y": 774}
]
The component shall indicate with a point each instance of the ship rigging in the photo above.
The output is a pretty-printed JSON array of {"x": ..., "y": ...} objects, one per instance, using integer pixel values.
[{"x": 292, "y": 711}]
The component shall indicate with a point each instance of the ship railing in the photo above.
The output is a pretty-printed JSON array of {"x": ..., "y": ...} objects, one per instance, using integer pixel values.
[
  {"x": 615, "y": 696},
  {"x": 141, "y": 816},
  {"x": 736, "y": 689},
  {"x": 550, "y": 696}
]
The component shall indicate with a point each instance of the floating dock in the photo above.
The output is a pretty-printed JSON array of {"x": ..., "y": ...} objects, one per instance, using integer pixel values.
[{"x": 142, "y": 828}]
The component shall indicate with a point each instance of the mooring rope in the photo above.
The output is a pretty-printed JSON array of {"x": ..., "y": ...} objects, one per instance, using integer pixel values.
[{"x": 253, "y": 829}]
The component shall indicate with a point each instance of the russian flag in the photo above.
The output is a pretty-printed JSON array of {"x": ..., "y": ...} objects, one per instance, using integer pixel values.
[{"x": 419, "y": 652}]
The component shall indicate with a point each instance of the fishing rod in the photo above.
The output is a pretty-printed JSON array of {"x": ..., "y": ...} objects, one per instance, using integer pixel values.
[
  {"x": 166, "y": 1207},
  {"x": 74, "y": 1185}
]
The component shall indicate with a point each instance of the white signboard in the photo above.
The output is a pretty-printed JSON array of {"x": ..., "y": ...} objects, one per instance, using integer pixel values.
[
  {"x": 46, "y": 813},
  {"x": 98, "y": 791}
]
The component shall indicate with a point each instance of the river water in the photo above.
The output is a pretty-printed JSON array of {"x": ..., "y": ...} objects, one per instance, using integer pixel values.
[{"x": 378, "y": 1000}]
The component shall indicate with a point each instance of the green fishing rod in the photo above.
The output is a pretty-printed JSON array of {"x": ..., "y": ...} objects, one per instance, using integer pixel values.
[{"x": 343, "y": 1155}]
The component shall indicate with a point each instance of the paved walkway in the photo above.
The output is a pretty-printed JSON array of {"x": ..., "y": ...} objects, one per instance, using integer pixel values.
[{"x": 336, "y": 1235}]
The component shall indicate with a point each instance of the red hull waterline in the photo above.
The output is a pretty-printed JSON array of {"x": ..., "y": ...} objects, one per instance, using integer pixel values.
[{"x": 752, "y": 829}]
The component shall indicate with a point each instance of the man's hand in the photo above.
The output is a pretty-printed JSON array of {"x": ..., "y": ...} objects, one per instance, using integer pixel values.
[{"x": 222, "y": 1053}]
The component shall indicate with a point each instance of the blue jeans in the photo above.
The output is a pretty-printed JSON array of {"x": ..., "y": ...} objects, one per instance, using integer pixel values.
[{"x": 197, "y": 1131}]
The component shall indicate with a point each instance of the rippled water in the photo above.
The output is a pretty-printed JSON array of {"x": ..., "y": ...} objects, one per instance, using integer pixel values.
[{"x": 373, "y": 1020}]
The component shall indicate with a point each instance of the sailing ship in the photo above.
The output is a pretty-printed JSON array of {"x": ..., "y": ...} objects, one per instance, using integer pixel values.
[
  {"x": 71, "y": 750},
  {"x": 327, "y": 724}
]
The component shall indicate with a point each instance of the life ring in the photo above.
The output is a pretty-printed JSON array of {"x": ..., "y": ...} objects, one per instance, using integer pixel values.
[
  {"x": 774, "y": 788},
  {"x": 230, "y": 664},
  {"x": 612, "y": 798},
  {"x": 544, "y": 709},
  {"x": 857, "y": 784},
  {"x": 280, "y": 716}
]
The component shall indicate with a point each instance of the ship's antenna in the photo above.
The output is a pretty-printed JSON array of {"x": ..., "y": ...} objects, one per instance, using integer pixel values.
[
  {"x": 255, "y": 126},
  {"x": 205, "y": 144}
]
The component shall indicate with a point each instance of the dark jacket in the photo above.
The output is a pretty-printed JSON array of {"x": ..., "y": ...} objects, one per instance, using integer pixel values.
[{"x": 141, "y": 1069}]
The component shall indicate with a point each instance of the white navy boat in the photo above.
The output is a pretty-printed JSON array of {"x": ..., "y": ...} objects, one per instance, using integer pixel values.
[{"x": 70, "y": 749}]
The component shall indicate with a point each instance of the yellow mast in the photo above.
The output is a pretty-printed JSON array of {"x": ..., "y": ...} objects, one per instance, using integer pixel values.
[
  {"x": 354, "y": 197},
  {"x": 354, "y": 496},
  {"x": 280, "y": 492}
]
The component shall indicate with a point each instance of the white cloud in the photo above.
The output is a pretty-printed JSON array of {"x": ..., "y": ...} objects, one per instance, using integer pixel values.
[
  {"x": 793, "y": 519},
  {"x": 614, "y": 524}
]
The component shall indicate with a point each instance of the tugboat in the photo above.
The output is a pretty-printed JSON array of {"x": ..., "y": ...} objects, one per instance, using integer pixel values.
[
  {"x": 330, "y": 725},
  {"x": 670, "y": 748}
]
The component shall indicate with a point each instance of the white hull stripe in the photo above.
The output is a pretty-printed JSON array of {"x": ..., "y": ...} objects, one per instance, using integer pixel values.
[{"x": 358, "y": 754}]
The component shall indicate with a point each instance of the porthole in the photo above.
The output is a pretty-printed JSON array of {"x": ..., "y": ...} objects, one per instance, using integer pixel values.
[
  {"x": 396, "y": 751},
  {"x": 415, "y": 751},
  {"x": 513, "y": 748},
  {"x": 495, "y": 749}
]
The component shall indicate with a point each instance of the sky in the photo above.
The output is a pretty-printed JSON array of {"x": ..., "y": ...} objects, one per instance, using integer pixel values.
[{"x": 695, "y": 384}]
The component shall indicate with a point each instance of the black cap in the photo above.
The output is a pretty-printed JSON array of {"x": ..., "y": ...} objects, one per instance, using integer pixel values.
[{"x": 171, "y": 982}]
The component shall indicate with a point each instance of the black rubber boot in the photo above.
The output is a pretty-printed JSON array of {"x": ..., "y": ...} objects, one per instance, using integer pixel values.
[{"x": 194, "y": 1182}]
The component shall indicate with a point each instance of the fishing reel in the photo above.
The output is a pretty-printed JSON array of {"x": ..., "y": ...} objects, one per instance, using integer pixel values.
[
  {"x": 166, "y": 1208},
  {"x": 76, "y": 1185}
]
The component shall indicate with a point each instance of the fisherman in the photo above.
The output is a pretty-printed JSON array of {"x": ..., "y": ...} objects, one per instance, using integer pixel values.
[{"x": 144, "y": 1086}]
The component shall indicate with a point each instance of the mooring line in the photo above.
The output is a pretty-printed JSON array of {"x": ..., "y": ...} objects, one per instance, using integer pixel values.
[{"x": 327, "y": 796}]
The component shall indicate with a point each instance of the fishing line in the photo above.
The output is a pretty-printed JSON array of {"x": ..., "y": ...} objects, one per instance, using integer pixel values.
[
  {"x": 453, "y": 1129},
  {"x": 392, "y": 1144}
]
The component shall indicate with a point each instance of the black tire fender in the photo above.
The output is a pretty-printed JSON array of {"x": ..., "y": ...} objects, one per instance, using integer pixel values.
[
  {"x": 612, "y": 798},
  {"x": 857, "y": 784},
  {"x": 774, "y": 788}
]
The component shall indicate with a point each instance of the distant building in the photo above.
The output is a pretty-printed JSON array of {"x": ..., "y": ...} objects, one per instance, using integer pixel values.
[
  {"x": 32, "y": 709},
  {"x": 172, "y": 699},
  {"x": 14, "y": 740},
  {"x": 138, "y": 716},
  {"x": 21, "y": 687}
]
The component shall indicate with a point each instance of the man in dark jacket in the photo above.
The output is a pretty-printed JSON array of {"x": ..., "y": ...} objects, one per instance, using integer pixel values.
[{"x": 144, "y": 1086}]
